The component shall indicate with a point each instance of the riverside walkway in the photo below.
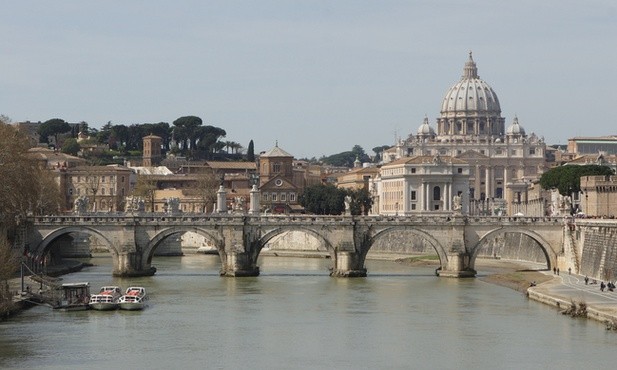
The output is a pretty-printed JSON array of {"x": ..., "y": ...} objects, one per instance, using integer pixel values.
[{"x": 566, "y": 288}]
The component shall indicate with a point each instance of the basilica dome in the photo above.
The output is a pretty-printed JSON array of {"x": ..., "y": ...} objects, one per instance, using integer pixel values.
[
  {"x": 471, "y": 96},
  {"x": 470, "y": 109}
]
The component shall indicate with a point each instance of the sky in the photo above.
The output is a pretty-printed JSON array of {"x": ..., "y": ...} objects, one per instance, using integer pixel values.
[{"x": 318, "y": 77}]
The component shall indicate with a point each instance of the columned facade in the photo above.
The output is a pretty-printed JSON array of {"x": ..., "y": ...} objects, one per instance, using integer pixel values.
[{"x": 423, "y": 184}]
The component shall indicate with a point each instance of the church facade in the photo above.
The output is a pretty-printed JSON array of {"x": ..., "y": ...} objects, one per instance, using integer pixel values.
[{"x": 471, "y": 128}]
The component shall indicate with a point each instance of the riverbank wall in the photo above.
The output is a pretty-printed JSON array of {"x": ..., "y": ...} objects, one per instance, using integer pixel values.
[{"x": 599, "y": 311}]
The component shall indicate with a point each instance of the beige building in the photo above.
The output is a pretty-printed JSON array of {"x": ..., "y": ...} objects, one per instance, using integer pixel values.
[
  {"x": 470, "y": 127},
  {"x": 357, "y": 178},
  {"x": 105, "y": 187},
  {"x": 598, "y": 196},
  {"x": 422, "y": 184},
  {"x": 592, "y": 145}
]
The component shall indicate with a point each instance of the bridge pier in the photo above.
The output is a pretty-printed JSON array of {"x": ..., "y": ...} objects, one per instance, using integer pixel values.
[
  {"x": 238, "y": 264},
  {"x": 131, "y": 265},
  {"x": 348, "y": 264},
  {"x": 457, "y": 266}
]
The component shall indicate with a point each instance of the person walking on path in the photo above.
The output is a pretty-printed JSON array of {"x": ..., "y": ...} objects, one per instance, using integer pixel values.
[
  {"x": 602, "y": 286},
  {"x": 554, "y": 270},
  {"x": 557, "y": 270},
  {"x": 569, "y": 270},
  {"x": 586, "y": 280}
]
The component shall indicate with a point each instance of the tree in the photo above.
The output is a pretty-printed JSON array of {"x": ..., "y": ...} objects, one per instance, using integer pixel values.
[
  {"x": 250, "y": 153},
  {"x": 347, "y": 159},
  {"x": 567, "y": 179},
  {"x": 361, "y": 202},
  {"x": 206, "y": 187},
  {"x": 323, "y": 199},
  {"x": 53, "y": 127},
  {"x": 9, "y": 263},
  {"x": 186, "y": 132},
  {"x": 71, "y": 146},
  {"x": 19, "y": 174},
  {"x": 378, "y": 150},
  {"x": 145, "y": 188}
]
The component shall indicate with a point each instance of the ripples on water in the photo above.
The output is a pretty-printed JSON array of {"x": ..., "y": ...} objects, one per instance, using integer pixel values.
[{"x": 295, "y": 316}]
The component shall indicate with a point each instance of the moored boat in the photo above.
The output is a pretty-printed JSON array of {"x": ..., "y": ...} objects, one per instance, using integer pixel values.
[
  {"x": 75, "y": 297},
  {"x": 106, "y": 299},
  {"x": 133, "y": 299}
]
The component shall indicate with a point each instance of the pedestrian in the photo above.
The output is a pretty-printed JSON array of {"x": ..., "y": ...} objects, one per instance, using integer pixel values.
[
  {"x": 569, "y": 270},
  {"x": 554, "y": 270},
  {"x": 586, "y": 280},
  {"x": 557, "y": 270},
  {"x": 602, "y": 286}
]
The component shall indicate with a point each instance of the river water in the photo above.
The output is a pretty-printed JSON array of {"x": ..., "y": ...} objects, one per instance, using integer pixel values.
[{"x": 294, "y": 316}]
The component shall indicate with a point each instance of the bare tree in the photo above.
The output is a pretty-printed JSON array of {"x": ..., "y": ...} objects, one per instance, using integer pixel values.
[
  {"x": 9, "y": 263},
  {"x": 146, "y": 188}
]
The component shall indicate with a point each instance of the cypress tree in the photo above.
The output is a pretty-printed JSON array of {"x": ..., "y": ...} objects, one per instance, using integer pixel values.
[{"x": 250, "y": 152}]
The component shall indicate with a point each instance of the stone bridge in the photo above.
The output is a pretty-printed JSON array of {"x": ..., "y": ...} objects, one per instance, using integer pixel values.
[{"x": 132, "y": 239}]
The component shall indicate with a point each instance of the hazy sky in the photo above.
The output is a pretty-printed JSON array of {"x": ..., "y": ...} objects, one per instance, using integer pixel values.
[{"x": 318, "y": 76}]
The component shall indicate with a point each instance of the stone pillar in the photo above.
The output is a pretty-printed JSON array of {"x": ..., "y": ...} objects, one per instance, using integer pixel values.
[
  {"x": 348, "y": 264},
  {"x": 457, "y": 266},
  {"x": 238, "y": 264},
  {"x": 487, "y": 182},
  {"x": 221, "y": 200},
  {"x": 477, "y": 186},
  {"x": 254, "y": 199}
]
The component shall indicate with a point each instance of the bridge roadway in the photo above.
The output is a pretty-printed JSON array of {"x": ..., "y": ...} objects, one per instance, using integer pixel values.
[{"x": 132, "y": 239}]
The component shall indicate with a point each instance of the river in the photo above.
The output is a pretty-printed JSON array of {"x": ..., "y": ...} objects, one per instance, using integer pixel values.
[{"x": 294, "y": 316}]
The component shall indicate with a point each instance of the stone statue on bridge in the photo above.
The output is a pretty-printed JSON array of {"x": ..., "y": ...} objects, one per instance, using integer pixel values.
[
  {"x": 347, "y": 205},
  {"x": 238, "y": 205},
  {"x": 456, "y": 203},
  {"x": 81, "y": 205},
  {"x": 135, "y": 204},
  {"x": 173, "y": 205}
]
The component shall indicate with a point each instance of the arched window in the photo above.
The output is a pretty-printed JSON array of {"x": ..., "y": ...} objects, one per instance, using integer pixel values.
[{"x": 436, "y": 193}]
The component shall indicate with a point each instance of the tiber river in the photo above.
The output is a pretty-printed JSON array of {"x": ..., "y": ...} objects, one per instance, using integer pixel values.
[{"x": 294, "y": 316}]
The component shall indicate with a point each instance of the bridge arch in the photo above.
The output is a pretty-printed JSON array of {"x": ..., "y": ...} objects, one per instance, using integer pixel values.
[
  {"x": 269, "y": 235},
  {"x": 43, "y": 247},
  {"x": 549, "y": 253},
  {"x": 219, "y": 244},
  {"x": 439, "y": 248}
]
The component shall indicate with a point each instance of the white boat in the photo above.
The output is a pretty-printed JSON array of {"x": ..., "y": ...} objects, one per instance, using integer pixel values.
[
  {"x": 133, "y": 299},
  {"x": 106, "y": 299}
]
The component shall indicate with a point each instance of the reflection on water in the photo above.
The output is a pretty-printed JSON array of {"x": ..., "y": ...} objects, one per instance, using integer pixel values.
[{"x": 295, "y": 316}]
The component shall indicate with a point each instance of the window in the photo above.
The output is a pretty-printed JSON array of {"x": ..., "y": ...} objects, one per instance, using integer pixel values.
[
  {"x": 264, "y": 196},
  {"x": 459, "y": 170},
  {"x": 292, "y": 197},
  {"x": 276, "y": 167},
  {"x": 70, "y": 191},
  {"x": 274, "y": 197},
  {"x": 436, "y": 193},
  {"x": 102, "y": 178},
  {"x": 532, "y": 151},
  {"x": 413, "y": 170},
  {"x": 122, "y": 179},
  {"x": 283, "y": 197},
  {"x": 413, "y": 195},
  {"x": 413, "y": 206},
  {"x": 103, "y": 191}
]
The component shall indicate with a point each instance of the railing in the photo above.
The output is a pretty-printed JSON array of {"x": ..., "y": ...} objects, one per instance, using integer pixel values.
[{"x": 214, "y": 218}]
